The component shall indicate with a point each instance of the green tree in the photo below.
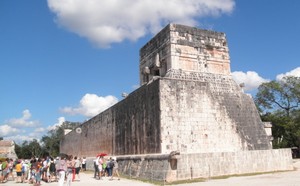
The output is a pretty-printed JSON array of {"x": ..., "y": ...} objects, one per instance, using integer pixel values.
[
  {"x": 278, "y": 101},
  {"x": 52, "y": 140},
  {"x": 29, "y": 149},
  {"x": 279, "y": 95}
]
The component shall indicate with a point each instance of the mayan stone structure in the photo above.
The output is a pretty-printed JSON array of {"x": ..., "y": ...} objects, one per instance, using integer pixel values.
[
  {"x": 188, "y": 118},
  {"x": 201, "y": 108}
]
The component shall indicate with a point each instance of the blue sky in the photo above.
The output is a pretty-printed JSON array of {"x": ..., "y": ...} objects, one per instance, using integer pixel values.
[{"x": 69, "y": 60}]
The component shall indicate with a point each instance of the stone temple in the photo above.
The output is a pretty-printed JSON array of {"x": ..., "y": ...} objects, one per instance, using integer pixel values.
[{"x": 188, "y": 119}]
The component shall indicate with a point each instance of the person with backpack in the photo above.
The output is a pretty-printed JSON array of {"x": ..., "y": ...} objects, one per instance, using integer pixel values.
[
  {"x": 115, "y": 170},
  {"x": 52, "y": 170},
  {"x": 110, "y": 166}
]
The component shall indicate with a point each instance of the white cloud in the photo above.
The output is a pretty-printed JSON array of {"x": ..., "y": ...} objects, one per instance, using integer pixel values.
[
  {"x": 39, "y": 130},
  {"x": 27, "y": 135},
  {"x": 19, "y": 139},
  {"x": 294, "y": 72},
  {"x": 6, "y": 130},
  {"x": 91, "y": 105},
  {"x": 24, "y": 121},
  {"x": 60, "y": 121},
  {"x": 21, "y": 129},
  {"x": 112, "y": 21},
  {"x": 251, "y": 79}
]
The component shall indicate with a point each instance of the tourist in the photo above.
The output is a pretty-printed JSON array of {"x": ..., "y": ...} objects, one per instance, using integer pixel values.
[
  {"x": 77, "y": 167},
  {"x": 83, "y": 163},
  {"x": 115, "y": 169},
  {"x": 70, "y": 167},
  {"x": 4, "y": 170},
  {"x": 1, "y": 176},
  {"x": 109, "y": 166},
  {"x": 100, "y": 162},
  {"x": 25, "y": 170},
  {"x": 96, "y": 167},
  {"x": 29, "y": 170},
  {"x": 52, "y": 170},
  {"x": 33, "y": 163},
  {"x": 10, "y": 169},
  {"x": 19, "y": 172},
  {"x": 38, "y": 172},
  {"x": 44, "y": 168},
  {"x": 104, "y": 168},
  {"x": 56, "y": 165},
  {"x": 61, "y": 167}
]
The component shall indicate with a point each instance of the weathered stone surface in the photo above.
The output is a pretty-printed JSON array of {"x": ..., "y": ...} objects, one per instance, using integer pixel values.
[
  {"x": 188, "y": 108},
  {"x": 179, "y": 47},
  {"x": 208, "y": 117},
  {"x": 132, "y": 126},
  {"x": 187, "y": 103}
]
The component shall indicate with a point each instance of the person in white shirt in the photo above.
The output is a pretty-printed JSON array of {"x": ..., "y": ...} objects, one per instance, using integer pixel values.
[
  {"x": 77, "y": 166},
  {"x": 83, "y": 163}
]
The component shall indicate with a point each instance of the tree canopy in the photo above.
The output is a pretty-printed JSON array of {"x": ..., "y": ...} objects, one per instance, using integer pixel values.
[{"x": 279, "y": 102}]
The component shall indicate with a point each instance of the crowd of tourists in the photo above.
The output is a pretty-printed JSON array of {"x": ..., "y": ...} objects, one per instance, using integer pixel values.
[
  {"x": 35, "y": 170},
  {"x": 105, "y": 168},
  {"x": 62, "y": 169}
]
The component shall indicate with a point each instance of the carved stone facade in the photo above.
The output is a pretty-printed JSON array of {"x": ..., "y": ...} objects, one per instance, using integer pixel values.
[{"x": 180, "y": 49}]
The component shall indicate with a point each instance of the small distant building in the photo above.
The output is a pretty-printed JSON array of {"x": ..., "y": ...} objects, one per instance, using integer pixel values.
[{"x": 7, "y": 149}]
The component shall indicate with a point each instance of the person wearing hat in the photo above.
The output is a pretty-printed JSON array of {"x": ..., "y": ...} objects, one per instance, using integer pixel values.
[{"x": 25, "y": 170}]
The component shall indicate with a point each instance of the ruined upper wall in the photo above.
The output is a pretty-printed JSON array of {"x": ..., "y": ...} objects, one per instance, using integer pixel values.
[{"x": 179, "y": 47}]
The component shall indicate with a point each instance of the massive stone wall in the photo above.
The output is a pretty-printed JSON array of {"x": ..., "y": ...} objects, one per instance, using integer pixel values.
[
  {"x": 132, "y": 126},
  {"x": 212, "y": 115}
]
